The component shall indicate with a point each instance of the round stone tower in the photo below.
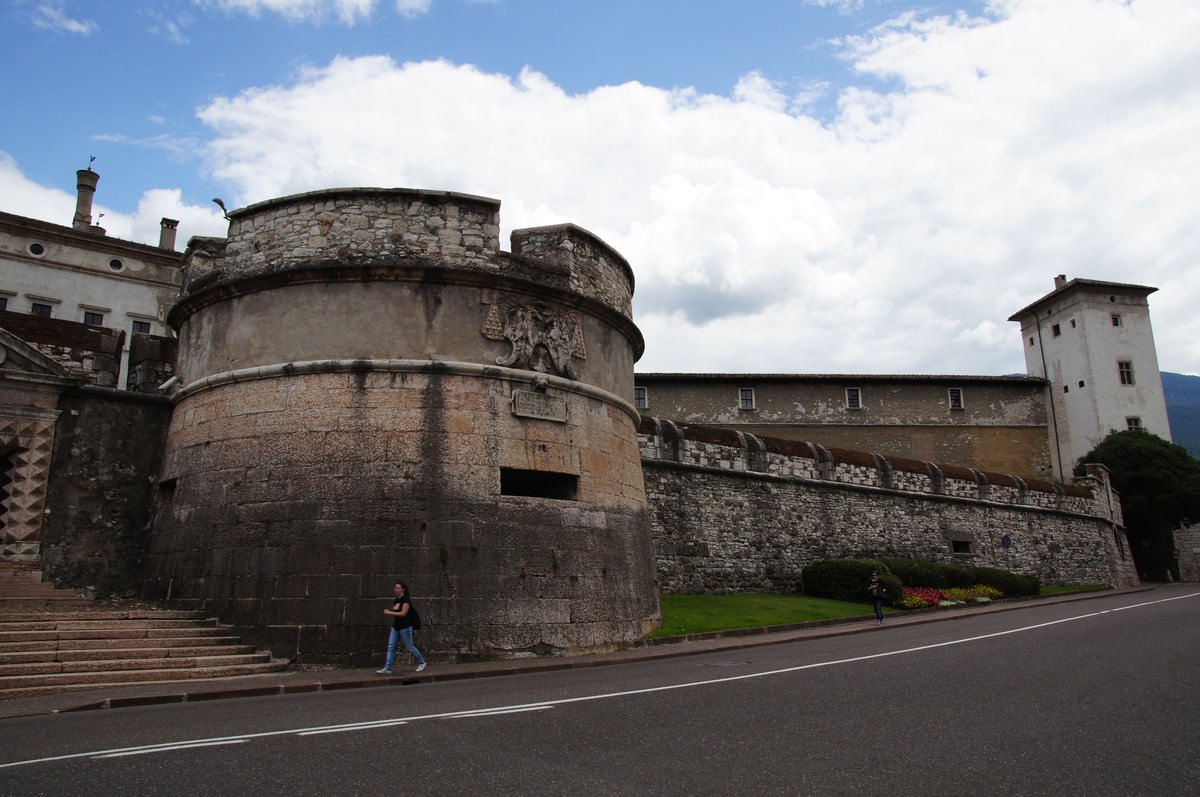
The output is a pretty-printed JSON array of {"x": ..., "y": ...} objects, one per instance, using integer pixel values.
[{"x": 371, "y": 391}]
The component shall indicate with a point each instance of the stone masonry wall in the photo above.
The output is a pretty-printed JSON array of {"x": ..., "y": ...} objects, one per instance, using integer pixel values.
[{"x": 731, "y": 512}]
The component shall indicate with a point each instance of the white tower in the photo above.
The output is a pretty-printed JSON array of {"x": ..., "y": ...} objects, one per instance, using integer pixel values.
[{"x": 1093, "y": 343}]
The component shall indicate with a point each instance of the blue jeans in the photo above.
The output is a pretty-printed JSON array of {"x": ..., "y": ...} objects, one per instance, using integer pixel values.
[
  {"x": 404, "y": 634},
  {"x": 879, "y": 609}
]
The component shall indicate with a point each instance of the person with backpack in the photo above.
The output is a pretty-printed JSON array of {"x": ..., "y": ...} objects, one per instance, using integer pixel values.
[
  {"x": 878, "y": 593},
  {"x": 404, "y": 621}
]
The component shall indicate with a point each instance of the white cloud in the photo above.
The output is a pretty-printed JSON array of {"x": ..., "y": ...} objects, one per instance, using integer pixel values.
[
  {"x": 347, "y": 11},
  {"x": 1046, "y": 137},
  {"x": 897, "y": 238},
  {"x": 51, "y": 16}
]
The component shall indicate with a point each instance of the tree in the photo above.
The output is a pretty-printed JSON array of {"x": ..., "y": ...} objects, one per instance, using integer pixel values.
[{"x": 1159, "y": 485}]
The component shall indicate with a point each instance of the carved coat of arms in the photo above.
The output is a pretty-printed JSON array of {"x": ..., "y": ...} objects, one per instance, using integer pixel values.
[{"x": 541, "y": 339}]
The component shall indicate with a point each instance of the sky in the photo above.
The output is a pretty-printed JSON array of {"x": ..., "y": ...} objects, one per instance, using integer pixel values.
[{"x": 800, "y": 186}]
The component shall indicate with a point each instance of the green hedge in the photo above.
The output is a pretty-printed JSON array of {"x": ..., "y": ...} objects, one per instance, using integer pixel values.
[
  {"x": 957, "y": 576},
  {"x": 917, "y": 573},
  {"x": 846, "y": 579},
  {"x": 1011, "y": 584}
]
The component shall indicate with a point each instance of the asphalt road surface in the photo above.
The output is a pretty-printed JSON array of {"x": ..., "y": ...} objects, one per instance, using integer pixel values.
[{"x": 1095, "y": 697}]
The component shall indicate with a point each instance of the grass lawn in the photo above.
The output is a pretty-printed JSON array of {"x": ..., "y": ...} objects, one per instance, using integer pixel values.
[{"x": 695, "y": 614}]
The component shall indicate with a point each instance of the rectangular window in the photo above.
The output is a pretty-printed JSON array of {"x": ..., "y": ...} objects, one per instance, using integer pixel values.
[
  {"x": 3, "y": 302},
  {"x": 40, "y": 310},
  {"x": 746, "y": 398},
  {"x": 1056, "y": 329},
  {"x": 639, "y": 398},
  {"x": 853, "y": 398},
  {"x": 142, "y": 327},
  {"x": 93, "y": 318},
  {"x": 539, "y": 484},
  {"x": 1125, "y": 371},
  {"x": 1116, "y": 319},
  {"x": 956, "y": 398},
  {"x": 961, "y": 547},
  {"x": 1133, "y": 423}
]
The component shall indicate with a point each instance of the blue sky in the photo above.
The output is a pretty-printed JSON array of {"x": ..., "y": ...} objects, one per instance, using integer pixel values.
[{"x": 867, "y": 186}]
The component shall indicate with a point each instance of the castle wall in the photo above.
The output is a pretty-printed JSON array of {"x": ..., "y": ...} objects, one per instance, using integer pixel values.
[
  {"x": 107, "y": 448},
  {"x": 731, "y": 512}
]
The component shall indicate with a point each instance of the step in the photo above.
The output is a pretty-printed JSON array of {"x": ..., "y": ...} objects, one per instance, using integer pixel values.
[
  {"x": 204, "y": 636},
  {"x": 80, "y": 635},
  {"x": 14, "y": 676},
  {"x": 144, "y": 678},
  {"x": 101, "y": 654},
  {"x": 101, "y": 614}
]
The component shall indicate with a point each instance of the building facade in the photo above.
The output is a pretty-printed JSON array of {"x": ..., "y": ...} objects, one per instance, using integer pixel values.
[
  {"x": 997, "y": 423},
  {"x": 80, "y": 274},
  {"x": 1093, "y": 344}
]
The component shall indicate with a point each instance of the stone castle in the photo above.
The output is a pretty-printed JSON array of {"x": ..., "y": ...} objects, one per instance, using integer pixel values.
[{"x": 366, "y": 387}]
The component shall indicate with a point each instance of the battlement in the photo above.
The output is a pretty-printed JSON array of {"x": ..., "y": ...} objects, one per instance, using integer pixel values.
[
  {"x": 400, "y": 228},
  {"x": 731, "y": 450}
]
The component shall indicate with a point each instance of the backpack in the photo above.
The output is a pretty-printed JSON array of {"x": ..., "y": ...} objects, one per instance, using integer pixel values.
[{"x": 416, "y": 618}]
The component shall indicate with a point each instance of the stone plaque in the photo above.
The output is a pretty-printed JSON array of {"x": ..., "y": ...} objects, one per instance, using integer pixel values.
[{"x": 528, "y": 404}]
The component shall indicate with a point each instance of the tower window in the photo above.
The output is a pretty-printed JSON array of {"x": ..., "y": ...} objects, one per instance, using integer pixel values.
[
  {"x": 746, "y": 398},
  {"x": 1133, "y": 423},
  {"x": 853, "y": 398},
  {"x": 1056, "y": 329},
  {"x": 1125, "y": 371},
  {"x": 1116, "y": 319},
  {"x": 956, "y": 398}
]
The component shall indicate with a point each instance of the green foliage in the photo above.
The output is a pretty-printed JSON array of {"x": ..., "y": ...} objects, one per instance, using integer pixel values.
[
  {"x": 1011, "y": 584},
  {"x": 957, "y": 576},
  {"x": 893, "y": 588},
  {"x": 842, "y": 579},
  {"x": 1159, "y": 482},
  {"x": 917, "y": 573}
]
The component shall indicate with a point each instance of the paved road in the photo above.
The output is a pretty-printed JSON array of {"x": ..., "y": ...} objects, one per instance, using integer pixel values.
[{"x": 1097, "y": 697}]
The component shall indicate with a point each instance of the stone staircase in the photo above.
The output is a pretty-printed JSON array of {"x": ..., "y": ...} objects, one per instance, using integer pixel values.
[{"x": 52, "y": 641}]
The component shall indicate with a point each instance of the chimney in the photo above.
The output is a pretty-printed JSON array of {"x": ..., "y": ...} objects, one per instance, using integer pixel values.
[
  {"x": 166, "y": 236},
  {"x": 86, "y": 180},
  {"x": 1060, "y": 281}
]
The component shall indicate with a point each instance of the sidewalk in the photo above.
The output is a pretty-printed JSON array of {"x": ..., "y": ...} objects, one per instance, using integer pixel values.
[{"x": 295, "y": 682}]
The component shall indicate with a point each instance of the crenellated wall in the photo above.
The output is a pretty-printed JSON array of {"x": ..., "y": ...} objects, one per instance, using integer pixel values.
[{"x": 734, "y": 512}]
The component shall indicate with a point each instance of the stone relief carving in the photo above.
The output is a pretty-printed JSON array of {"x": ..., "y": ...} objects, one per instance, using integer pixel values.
[{"x": 541, "y": 339}]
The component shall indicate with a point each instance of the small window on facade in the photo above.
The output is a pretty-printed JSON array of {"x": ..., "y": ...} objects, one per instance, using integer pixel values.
[
  {"x": 1031, "y": 341},
  {"x": 853, "y": 398},
  {"x": 1066, "y": 388},
  {"x": 3, "y": 302},
  {"x": 1133, "y": 422},
  {"x": 40, "y": 309},
  {"x": 1081, "y": 383},
  {"x": 1116, "y": 319},
  {"x": 115, "y": 264},
  {"x": 36, "y": 249},
  {"x": 1125, "y": 371},
  {"x": 1056, "y": 329},
  {"x": 956, "y": 398},
  {"x": 746, "y": 398},
  {"x": 142, "y": 326},
  {"x": 960, "y": 546},
  {"x": 539, "y": 484},
  {"x": 639, "y": 398},
  {"x": 1072, "y": 323},
  {"x": 93, "y": 318}
]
